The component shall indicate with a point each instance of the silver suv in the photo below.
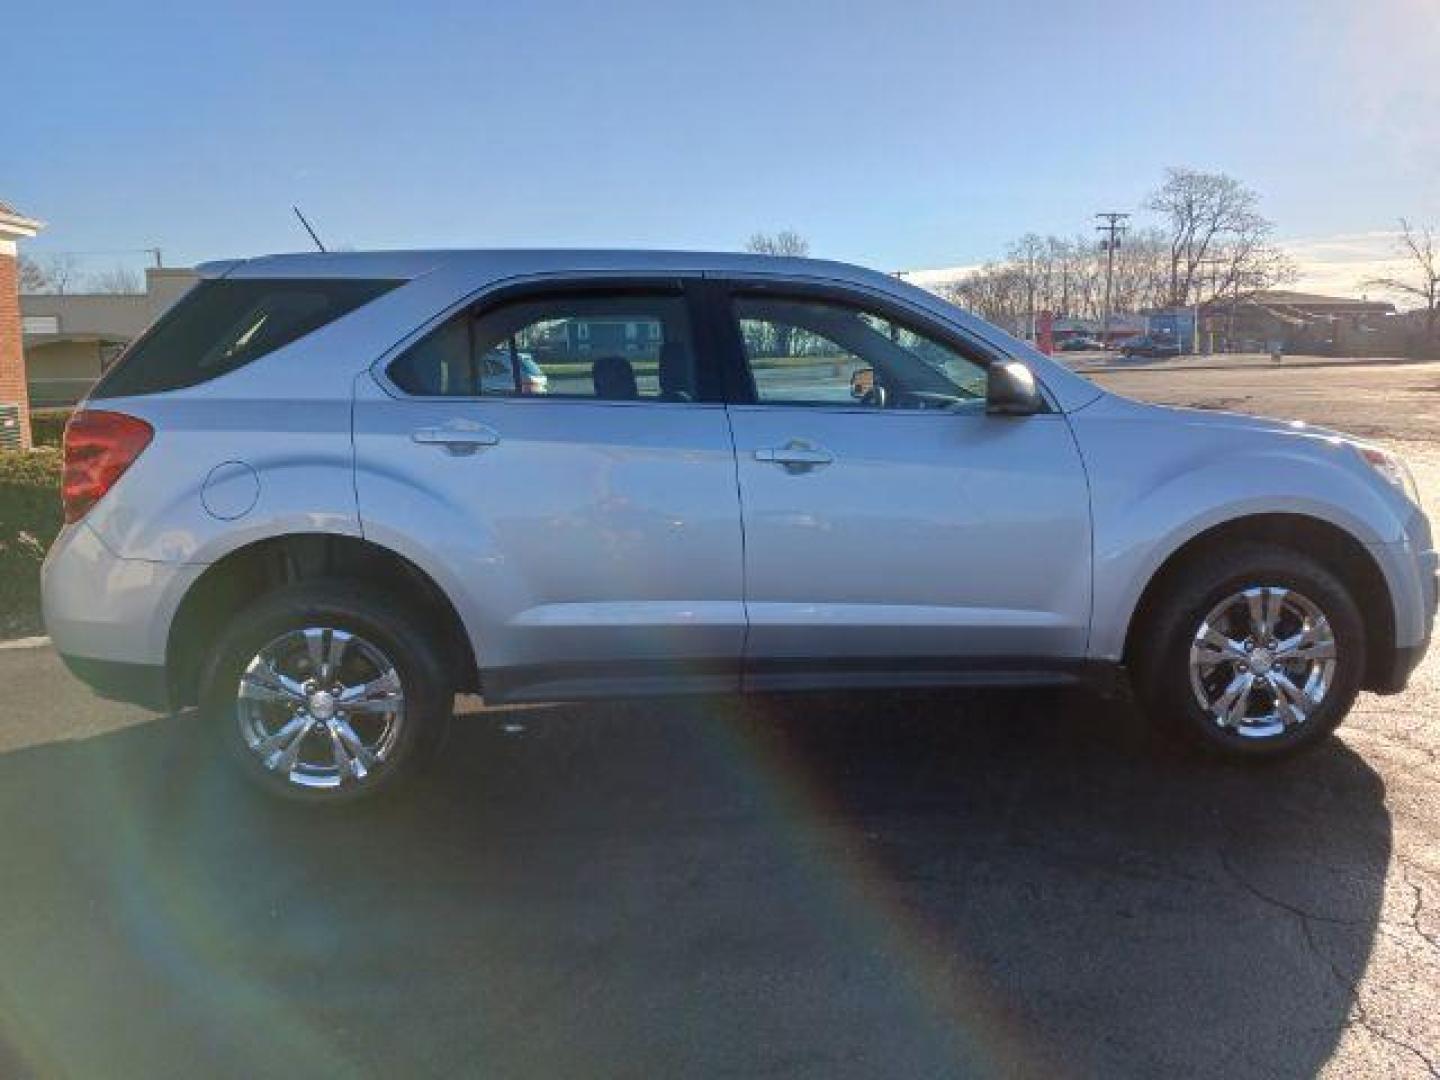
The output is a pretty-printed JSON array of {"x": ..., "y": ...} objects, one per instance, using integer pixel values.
[{"x": 306, "y": 502}]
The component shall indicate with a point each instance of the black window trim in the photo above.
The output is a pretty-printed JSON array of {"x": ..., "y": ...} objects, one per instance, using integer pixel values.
[
  {"x": 740, "y": 381},
  {"x": 709, "y": 365}
]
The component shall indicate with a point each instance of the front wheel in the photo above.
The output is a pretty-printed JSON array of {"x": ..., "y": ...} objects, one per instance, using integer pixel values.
[
  {"x": 324, "y": 691},
  {"x": 1256, "y": 651}
]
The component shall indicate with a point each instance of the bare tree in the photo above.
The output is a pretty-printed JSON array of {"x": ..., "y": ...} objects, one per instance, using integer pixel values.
[
  {"x": 118, "y": 279},
  {"x": 1211, "y": 220},
  {"x": 1032, "y": 257},
  {"x": 1417, "y": 244},
  {"x": 785, "y": 242},
  {"x": 1141, "y": 272},
  {"x": 1212, "y": 244},
  {"x": 1066, "y": 277},
  {"x": 998, "y": 292},
  {"x": 50, "y": 274},
  {"x": 33, "y": 278},
  {"x": 776, "y": 338}
]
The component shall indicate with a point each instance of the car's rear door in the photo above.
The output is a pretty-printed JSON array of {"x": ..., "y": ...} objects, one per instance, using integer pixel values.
[
  {"x": 592, "y": 530},
  {"x": 893, "y": 530}
]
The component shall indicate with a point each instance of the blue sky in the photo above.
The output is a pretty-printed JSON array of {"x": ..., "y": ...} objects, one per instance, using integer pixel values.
[{"x": 894, "y": 134}]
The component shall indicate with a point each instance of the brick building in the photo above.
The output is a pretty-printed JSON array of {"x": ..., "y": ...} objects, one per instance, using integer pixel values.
[{"x": 14, "y": 227}]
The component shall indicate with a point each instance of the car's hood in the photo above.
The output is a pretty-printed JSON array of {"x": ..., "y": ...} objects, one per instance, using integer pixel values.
[{"x": 1215, "y": 419}]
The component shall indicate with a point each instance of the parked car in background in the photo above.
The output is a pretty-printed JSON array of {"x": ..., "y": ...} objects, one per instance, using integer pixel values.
[
  {"x": 1080, "y": 344},
  {"x": 1151, "y": 346},
  {"x": 304, "y": 502},
  {"x": 499, "y": 372}
]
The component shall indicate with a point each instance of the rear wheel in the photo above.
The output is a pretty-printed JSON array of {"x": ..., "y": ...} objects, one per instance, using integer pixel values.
[
  {"x": 1256, "y": 651},
  {"x": 325, "y": 691}
]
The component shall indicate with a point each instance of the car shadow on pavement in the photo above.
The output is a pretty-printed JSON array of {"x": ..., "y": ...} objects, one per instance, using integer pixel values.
[{"x": 795, "y": 887}]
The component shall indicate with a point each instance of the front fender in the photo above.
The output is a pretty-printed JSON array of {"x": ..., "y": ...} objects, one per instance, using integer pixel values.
[{"x": 1159, "y": 478}]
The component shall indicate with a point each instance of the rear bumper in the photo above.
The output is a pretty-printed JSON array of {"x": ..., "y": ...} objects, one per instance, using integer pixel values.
[
  {"x": 145, "y": 685},
  {"x": 108, "y": 615}
]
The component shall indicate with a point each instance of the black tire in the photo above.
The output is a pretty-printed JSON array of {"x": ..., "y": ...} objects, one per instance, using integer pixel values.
[
  {"x": 358, "y": 609},
  {"x": 1163, "y": 683}
]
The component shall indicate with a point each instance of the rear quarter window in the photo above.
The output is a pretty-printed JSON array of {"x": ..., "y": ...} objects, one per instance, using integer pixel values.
[{"x": 220, "y": 326}]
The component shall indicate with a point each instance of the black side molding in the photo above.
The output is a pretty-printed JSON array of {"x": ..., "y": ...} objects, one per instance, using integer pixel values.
[{"x": 723, "y": 676}]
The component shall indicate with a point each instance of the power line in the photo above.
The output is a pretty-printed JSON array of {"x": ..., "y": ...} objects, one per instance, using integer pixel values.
[{"x": 153, "y": 251}]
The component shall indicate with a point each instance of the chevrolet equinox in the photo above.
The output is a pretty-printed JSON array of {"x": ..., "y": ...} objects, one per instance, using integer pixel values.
[{"x": 325, "y": 492}]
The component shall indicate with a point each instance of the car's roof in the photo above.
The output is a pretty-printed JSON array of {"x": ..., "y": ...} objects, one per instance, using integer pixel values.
[{"x": 509, "y": 262}]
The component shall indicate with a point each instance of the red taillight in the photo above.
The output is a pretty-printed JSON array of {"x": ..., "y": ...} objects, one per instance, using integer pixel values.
[{"x": 99, "y": 447}]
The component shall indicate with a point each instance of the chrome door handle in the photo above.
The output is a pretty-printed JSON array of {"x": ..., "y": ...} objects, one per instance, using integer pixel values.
[
  {"x": 796, "y": 456},
  {"x": 458, "y": 439}
]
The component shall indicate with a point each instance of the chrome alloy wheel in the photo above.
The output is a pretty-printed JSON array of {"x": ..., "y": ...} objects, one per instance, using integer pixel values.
[
  {"x": 320, "y": 707},
  {"x": 1262, "y": 661}
]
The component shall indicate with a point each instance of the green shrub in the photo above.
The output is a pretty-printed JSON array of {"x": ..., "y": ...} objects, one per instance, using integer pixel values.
[
  {"x": 47, "y": 426},
  {"x": 30, "y": 516}
]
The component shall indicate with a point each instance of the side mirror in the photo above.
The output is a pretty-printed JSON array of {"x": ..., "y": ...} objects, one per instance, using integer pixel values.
[
  {"x": 862, "y": 381},
  {"x": 1010, "y": 390}
]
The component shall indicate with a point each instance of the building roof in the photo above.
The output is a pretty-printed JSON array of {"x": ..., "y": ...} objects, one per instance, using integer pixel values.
[
  {"x": 52, "y": 317},
  {"x": 15, "y": 224},
  {"x": 937, "y": 278},
  {"x": 1319, "y": 303}
]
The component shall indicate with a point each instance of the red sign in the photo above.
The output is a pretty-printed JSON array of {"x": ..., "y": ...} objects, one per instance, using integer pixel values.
[{"x": 1045, "y": 332}]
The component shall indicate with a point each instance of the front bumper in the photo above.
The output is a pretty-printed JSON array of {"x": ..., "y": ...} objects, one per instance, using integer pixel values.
[{"x": 1415, "y": 582}]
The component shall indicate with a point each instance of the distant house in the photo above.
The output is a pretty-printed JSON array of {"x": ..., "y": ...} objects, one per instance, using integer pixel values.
[
  {"x": 1299, "y": 322},
  {"x": 581, "y": 338},
  {"x": 70, "y": 339}
]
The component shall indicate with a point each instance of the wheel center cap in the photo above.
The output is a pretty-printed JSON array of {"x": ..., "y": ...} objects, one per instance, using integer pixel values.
[
  {"x": 1261, "y": 661},
  {"x": 321, "y": 705}
]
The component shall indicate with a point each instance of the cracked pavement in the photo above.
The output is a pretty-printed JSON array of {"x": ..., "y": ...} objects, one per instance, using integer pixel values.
[
  {"x": 1393, "y": 980},
  {"x": 918, "y": 885}
]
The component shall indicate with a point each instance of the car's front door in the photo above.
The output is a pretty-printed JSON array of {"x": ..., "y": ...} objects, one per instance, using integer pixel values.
[
  {"x": 563, "y": 453},
  {"x": 893, "y": 529}
]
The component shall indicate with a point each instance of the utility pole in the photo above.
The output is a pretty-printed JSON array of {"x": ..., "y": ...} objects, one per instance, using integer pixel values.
[
  {"x": 1112, "y": 229},
  {"x": 1214, "y": 263}
]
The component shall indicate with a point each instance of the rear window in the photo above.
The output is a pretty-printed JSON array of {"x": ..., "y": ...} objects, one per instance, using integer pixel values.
[{"x": 220, "y": 326}]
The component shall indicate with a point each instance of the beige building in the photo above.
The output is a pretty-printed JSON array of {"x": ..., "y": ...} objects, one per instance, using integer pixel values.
[{"x": 71, "y": 339}]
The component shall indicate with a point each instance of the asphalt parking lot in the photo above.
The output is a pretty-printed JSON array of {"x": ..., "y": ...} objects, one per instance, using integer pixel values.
[{"x": 1003, "y": 884}]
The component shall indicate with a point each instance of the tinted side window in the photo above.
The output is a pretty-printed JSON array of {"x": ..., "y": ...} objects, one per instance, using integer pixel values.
[
  {"x": 818, "y": 352},
  {"x": 612, "y": 346},
  {"x": 220, "y": 326}
]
